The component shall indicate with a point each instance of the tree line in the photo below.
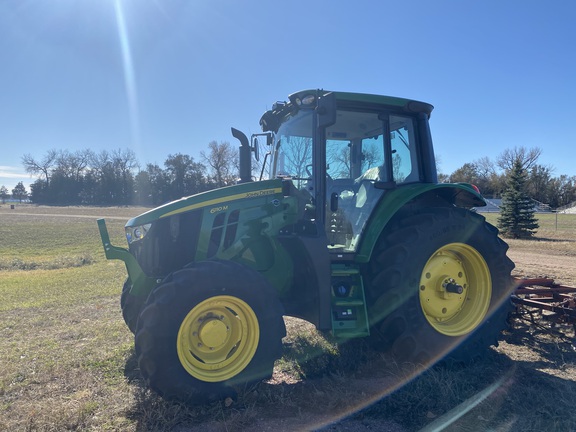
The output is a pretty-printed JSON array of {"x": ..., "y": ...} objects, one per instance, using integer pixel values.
[
  {"x": 491, "y": 177},
  {"x": 115, "y": 177},
  {"x": 85, "y": 177}
]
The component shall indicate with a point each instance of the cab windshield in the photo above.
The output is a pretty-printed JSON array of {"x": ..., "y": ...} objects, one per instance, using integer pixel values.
[{"x": 293, "y": 149}]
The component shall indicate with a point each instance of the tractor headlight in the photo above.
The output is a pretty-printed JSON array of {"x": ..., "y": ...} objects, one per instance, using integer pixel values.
[{"x": 137, "y": 232}]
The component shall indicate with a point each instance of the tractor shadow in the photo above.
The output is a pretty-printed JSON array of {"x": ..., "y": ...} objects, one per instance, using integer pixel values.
[
  {"x": 335, "y": 385},
  {"x": 525, "y": 384},
  {"x": 551, "y": 240},
  {"x": 131, "y": 370},
  {"x": 533, "y": 334}
]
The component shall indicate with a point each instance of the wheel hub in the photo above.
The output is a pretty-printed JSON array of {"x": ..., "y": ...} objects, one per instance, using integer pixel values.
[
  {"x": 213, "y": 333},
  {"x": 455, "y": 289},
  {"x": 443, "y": 274},
  {"x": 451, "y": 286}
]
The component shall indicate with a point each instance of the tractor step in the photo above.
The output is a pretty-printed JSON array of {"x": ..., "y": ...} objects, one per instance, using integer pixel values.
[{"x": 349, "y": 314}]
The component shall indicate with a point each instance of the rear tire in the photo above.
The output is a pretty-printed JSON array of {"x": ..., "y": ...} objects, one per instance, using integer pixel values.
[
  {"x": 209, "y": 327},
  {"x": 420, "y": 263}
]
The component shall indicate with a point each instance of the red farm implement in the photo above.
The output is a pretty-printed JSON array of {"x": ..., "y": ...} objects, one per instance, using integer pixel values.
[{"x": 557, "y": 302}]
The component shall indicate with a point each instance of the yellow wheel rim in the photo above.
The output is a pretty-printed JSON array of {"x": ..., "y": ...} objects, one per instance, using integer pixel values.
[
  {"x": 218, "y": 338},
  {"x": 455, "y": 289}
]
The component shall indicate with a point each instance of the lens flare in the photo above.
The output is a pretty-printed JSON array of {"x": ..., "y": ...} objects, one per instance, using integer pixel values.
[{"x": 129, "y": 76}]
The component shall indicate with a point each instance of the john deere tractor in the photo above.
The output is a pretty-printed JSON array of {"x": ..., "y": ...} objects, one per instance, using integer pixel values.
[{"x": 342, "y": 223}]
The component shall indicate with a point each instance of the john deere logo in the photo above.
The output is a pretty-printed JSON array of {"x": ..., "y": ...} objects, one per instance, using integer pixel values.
[{"x": 260, "y": 193}]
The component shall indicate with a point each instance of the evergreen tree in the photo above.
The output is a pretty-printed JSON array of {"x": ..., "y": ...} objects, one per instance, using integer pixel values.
[{"x": 517, "y": 218}]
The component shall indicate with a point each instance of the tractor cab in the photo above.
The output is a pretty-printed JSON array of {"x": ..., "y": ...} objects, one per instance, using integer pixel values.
[{"x": 341, "y": 154}]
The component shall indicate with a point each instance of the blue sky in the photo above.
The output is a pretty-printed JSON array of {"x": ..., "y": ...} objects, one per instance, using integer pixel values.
[{"x": 169, "y": 76}]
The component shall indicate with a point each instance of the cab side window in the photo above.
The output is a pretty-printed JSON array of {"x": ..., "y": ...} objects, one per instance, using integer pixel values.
[{"x": 404, "y": 154}]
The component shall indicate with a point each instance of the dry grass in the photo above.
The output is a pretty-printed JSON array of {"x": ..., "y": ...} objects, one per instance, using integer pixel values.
[
  {"x": 68, "y": 362},
  {"x": 556, "y": 235}
]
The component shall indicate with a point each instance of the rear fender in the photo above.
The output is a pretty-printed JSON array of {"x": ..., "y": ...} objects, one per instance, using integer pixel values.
[{"x": 429, "y": 195}]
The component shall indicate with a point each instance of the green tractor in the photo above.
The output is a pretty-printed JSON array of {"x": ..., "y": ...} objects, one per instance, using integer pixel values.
[{"x": 347, "y": 227}]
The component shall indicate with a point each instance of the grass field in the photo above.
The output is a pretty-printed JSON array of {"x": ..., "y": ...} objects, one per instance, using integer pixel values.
[{"x": 67, "y": 360}]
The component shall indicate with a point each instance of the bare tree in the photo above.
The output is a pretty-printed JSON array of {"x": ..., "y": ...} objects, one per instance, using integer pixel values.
[
  {"x": 43, "y": 166},
  {"x": 119, "y": 161},
  {"x": 485, "y": 167},
  {"x": 338, "y": 159},
  {"x": 223, "y": 162},
  {"x": 98, "y": 161},
  {"x": 526, "y": 157},
  {"x": 124, "y": 161},
  {"x": 296, "y": 159},
  {"x": 72, "y": 165},
  {"x": 371, "y": 155}
]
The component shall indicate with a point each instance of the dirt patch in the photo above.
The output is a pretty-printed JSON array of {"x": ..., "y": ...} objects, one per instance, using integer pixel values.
[
  {"x": 112, "y": 213},
  {"x": 536, "y": 264}
]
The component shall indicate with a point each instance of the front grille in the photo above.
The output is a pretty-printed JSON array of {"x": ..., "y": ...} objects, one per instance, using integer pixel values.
[{"x": 169, "y": 245}]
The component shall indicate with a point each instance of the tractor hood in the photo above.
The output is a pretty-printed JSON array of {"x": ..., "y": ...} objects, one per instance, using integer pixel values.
[{"x": 214, "y": 199}]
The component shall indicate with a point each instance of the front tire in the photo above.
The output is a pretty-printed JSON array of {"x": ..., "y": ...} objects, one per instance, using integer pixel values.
[
  {"x": 209, "y": 327},
  {"x": 440, "y": 285},
  {"x": 131, "y": 305}
]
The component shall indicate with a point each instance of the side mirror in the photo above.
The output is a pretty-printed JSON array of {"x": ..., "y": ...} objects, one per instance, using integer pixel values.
[
  {"x": 256, "y": 148},
  {"x": 256, "y": 144}
]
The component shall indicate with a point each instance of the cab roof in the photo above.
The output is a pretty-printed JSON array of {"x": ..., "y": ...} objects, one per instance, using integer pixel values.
[{"x": 299, "y": 100}]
